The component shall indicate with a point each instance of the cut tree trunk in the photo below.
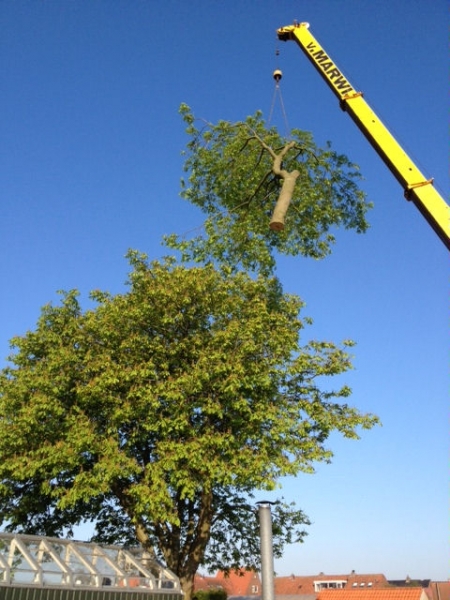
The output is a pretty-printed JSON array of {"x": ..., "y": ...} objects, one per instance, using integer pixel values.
[
  {"x": 287, "y": 189},
  {"x": 284, "y": 199}
]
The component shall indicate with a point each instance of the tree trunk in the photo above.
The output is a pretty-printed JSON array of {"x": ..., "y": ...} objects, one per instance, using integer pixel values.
[
  {"x": 142, "y": 538},
  {"x": 184, "y": 553},
  {"x": 284, "y": 199},
  {"x": 187, "y": 585}
]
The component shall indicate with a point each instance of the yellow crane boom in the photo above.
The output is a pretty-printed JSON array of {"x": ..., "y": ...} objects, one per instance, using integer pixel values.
[{"x": 416, "y": 187}]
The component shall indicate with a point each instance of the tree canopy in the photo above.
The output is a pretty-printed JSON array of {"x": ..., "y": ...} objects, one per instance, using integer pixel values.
[
  {"x": 238, "y": 173},
  {"x": 157, "y": 412}
]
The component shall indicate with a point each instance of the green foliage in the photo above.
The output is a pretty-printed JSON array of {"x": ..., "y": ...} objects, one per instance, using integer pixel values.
[
  {"x": 212, "y": 594},
  {"x": 226, "y": 553},
  {"x": 229, "y": 176},
  {"x": 157, "y": 412}
]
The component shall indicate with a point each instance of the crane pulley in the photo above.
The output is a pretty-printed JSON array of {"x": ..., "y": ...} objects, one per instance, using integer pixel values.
[{"x": 277, "y": 75}]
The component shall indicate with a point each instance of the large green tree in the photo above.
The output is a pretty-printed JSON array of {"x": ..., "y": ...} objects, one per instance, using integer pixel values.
[
  {"x": 263, "y": 194},
  {"x": 158, "y": 411}
]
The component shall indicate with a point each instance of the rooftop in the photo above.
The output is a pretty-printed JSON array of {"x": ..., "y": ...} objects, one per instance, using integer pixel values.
[
  {"x": 310, "y": 584},
  {"x": 399, "y": 593}
]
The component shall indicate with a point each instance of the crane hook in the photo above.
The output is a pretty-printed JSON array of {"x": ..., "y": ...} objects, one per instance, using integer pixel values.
[{"x": 277, "y": 75}]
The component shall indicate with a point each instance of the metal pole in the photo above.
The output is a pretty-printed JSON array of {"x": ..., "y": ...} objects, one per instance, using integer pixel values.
[{"x": 267, "y": 568}]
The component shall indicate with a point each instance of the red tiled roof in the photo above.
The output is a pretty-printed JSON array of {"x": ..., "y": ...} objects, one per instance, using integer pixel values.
[
  {"x": 241, "y": 583},
  {"x": 298, "y": 584},
  {"x": 416, "y": 593},
  {"x": 355, "y": 586}
]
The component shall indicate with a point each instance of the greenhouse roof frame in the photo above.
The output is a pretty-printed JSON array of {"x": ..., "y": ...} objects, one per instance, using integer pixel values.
[{"x": 37, "y": 561}]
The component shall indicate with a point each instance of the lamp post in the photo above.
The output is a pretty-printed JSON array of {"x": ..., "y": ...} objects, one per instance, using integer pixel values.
[{"x": 267, "y": 568}]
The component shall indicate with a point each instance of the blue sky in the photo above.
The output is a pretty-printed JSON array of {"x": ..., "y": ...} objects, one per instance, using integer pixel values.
[{"x": 90, "y": 163}]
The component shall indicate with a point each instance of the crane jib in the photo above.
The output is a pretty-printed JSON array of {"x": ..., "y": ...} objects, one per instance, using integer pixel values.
[
  {"x": 332, "y": 72},
  {"x": 415, "y": 185}
]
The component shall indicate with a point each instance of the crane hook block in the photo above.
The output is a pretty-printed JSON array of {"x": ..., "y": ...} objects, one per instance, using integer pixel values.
[{"x": 277, "y": 75}]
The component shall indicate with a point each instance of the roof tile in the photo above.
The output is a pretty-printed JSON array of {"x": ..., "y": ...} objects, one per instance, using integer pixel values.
[{"x": 415, "y": 593}]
